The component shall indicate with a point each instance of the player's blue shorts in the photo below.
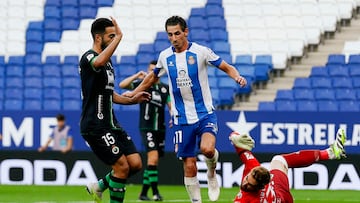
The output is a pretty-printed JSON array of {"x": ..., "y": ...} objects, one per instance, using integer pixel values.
[{"x": 188, "y": 136}]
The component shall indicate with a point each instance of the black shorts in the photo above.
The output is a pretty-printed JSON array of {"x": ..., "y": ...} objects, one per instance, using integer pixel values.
[
  {"x": 153, "y": 140},
  {"x": 110, "y": 145}
]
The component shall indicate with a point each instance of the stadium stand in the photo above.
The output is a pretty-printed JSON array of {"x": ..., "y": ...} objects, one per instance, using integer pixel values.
[{"x": 43, "y": 43}]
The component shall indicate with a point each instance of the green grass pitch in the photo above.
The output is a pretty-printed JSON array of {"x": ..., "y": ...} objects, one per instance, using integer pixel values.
[{"x": 177, "y": 194}]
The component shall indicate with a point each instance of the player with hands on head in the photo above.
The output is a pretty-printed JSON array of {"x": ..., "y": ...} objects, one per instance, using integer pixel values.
[
  {"x": 193, "y": 115},
  {"x": 98, "y": 124},
  {"x": 260, "y": 185}
]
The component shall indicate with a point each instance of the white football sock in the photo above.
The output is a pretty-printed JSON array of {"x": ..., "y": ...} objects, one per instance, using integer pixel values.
[
  {"x": 193, "y": 189},
  {"x": 211, "y": 163}
]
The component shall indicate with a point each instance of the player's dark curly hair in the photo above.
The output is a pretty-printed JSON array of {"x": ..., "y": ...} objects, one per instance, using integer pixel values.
[
  {"x": 176, "y": 20},
  {"x": 262, "y": 176},
  {"x": 99, "y": 26}
]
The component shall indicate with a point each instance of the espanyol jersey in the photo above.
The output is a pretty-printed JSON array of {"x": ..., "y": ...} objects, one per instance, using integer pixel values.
[{"x": 188, "y": 81}]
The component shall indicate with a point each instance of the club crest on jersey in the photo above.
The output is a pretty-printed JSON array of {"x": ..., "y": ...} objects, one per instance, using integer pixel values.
[
  {"x": 183, "y": 79},
  {"x": 191, "y": 60},
  {"x": 115, "y": 149},
  {"x": 163, "y": 90}
]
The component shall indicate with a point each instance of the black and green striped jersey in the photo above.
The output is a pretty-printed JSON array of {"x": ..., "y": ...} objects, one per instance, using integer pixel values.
[
  {"x": 152, "y": 113},
  {"x": 97, "y": 86}
]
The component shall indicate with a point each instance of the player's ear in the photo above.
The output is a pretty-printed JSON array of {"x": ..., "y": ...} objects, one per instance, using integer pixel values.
[
  {"x": 186, "y": 31},
  {"x": 98, "y": 38}
]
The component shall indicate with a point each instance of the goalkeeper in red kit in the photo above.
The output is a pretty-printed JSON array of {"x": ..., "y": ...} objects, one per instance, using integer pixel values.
[{"x": 260, "y": 185}]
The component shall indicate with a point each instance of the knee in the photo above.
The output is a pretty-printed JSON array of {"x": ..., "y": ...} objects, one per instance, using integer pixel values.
[
  {"x": 136, "y": 166},
  {"x": 207, "y": 151}
]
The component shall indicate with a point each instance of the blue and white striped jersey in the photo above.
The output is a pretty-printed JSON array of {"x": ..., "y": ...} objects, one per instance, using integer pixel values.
[{"x": 188, "y": 81}]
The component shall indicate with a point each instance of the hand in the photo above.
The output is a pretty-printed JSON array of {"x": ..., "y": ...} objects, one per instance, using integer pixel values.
[
  {"x": 65, "y": 150},
  {"x": 41, "y": 149},
  {"x": 141, "y": 97},
  {"x": 118, "y": 32},
  {"x": 241, "y": 81},
  {"x": 141, "y": 74}
]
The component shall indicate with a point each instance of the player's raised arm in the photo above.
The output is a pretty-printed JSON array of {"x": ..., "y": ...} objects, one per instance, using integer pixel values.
[
  {"x": 149, "y": 80},
  {"x": 110, "y": 39},
  {"x": 233, "y": 73},
  {"x": 137, "y": 98}
]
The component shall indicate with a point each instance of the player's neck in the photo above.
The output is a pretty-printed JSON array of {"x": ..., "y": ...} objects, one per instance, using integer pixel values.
[{"x": 97, "y": 49}]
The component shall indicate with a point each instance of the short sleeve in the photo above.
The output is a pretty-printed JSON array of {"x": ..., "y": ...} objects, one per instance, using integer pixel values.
[
  {"x": 90, "y": 58},
  {"x": 212, "y": 58},
  {"x": 159, "y": 68}
]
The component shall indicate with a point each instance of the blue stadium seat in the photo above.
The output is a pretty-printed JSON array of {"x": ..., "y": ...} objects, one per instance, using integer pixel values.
[
  {"x": 87, "y": 3},
  {"x": 198, "y": 12},
  {"x": 197, "y": 22},
  {"x": 306, "y": 105},
  {"x": 51, "y": 82},
  {"x": 33, "y": 71},
  {"x": 51, "y": 104},
  {"x": 328, "y": 106},
  {"x": 69, "y": 3},
  {"x": 214, "y": 2},
  {"x": 345, "y": 94},
  {"x": 32, "y": 104},
  {"x": 338, "y": 71},
  {"x": 266, "y": 106},
  {"x": 2, "y": 60},
  {"x": 214, "y": 10},
  {"x": 52, "y": 93},
  {"x": 220, "y": 73},
  {"x": 336, "y": 59},
  {"x": 51, "y": 11},
  {"x": 324, "y": 94},
  {"x": 2, "y": 73},
  {"x": 70, "y": 12},
  {"x": 226, "y": 82},
  {"x": 264, "y": 59},
  {"x": 105, "y": 3},
  {"x": 2, "y": 94},
  {"x": 52, "y": 36},
  {"x": 71, "y": 93},
  {"x": 71, "y": 24},
  {"x": 356, "y": 82},
  {"x": 33, "y": 59},
  {"x": 126, "y": 70},
  {"x": 14, "y": 71},
  {"x": 16, "y": 60},
  {"x": 144, "y": 58},
  {"x": 36, "y": 25},
  {"x": 71, "y": 82},
  {"x": 71, "y": 60},
  {"x": 285, "y": 105},
  {"x": 53, "y": 3},
  {"x": 246, "y": 70},
  {"x": 33, "y": 93},
  {"x": 34, "y": 82},
  {"x": 50, "y": 70},
  {"x": 284, "y": 95},
  {"x": 215, "y": 96},
  {"x": 211, "y": 71},
  {"x": 302, "y": 83},
  {"x": 52, "y": 60},
  {"x": 73, "y": 104},
  {"x": 354, "y": 70},
  {"x": 199, "y": 35},
  {"x": 218, "y": 35},
  {"x": 357, "y": 93},
  {"x": 221, "y": 47},
  {"x": 162, "y": 36},
  {"x": 216, "y": 22},
  {"x": 319, "y": 71},
  {"x": 245, "y": 59},
  {"x": 354, "y": 59},
  {"x": 14, "y": 82},
  {"x": 262, "y": 73},
  {"x": 146, "y": 49},
  {"x": 69, "y": 71},
  {"x": 248, "y": 88},
  {"x": 34, "y": 36},
  {"x": 161, "y": 45},
  {"x": 128, "y": 60},
  {"x": 13, "y": 93},
  {"x": 349, "y": 106},
  {"x": 321, "y": 82},
  {"x": 213, "y": 82},
  {"x": 303, "y": 94},
  {"x": 226, "y": 96},
  {"x": 342, "y": 82},
  {"x": 13, "y": 104},
  {"x": 52, "y": 24},
  {"x": 87, "y": 12}
]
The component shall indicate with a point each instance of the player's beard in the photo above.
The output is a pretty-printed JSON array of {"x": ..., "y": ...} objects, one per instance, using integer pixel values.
[{"x": 103, "y": 44}]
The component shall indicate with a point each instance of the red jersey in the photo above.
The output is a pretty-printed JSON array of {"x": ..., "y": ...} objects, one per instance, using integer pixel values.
[{"x": 272, "y": 193}]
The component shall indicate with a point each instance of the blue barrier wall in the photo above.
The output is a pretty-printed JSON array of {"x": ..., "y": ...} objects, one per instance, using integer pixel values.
[{"x": 274, "y": 132}]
